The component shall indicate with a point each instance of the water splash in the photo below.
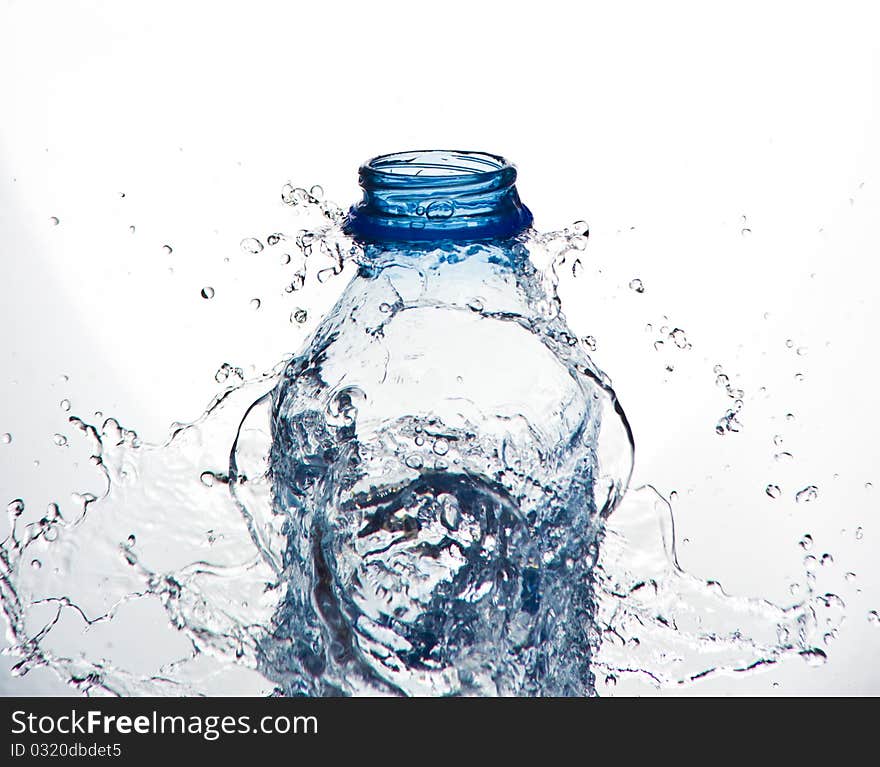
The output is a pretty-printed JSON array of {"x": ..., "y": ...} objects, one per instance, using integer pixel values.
[{"x": 184, "y": 546}]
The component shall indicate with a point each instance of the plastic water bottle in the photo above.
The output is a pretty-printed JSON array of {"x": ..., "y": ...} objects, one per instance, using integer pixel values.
[{"x": 444, "y": 452}]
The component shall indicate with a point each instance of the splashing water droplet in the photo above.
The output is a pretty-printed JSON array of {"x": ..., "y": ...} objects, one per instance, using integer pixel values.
[
  {"x": 806, "y": 543},
  {"x": 207, "y": 293},
  {"x": 807, "y": 495},
  {"x": 168, "y": 249},
  {"x": 773, "y": 491},
  {"x": 814, "y": 656},
  {"x": 636, "y": 285},
  {"x": 251, "y": 245},
  {"x": 591, "y": 343}
]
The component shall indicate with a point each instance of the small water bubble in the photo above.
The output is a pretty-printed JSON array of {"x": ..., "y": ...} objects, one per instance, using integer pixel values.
[
  {"x": 806, "y": 543},
  {"x": 850, "y": 577},
  {"x": 807, "y": 495},
  {"x": 54, "y": 220},
  {"x": 773, "y": 491},
  {"x": 868, "y": 485},
  {"x": 798, "y": 377},
  {"x": 317, "y": 191},
  {"x": 722, "y": 380},
  {"x": 60, "y": 440},
  {"x": 285, "y": 259},
  {"x": 826, "y": 559},
  {"x": 251, "y": 245},
  {"x": 783, "y": 456},
  {"x": 168, "y": 249},
  {"x": 274, "y": 239},
  {"x": 789, "y": 417},
  {"x": 579, "y": 229},
  {"x": 207, "y": 292},
  {"x": 414, "y": 461},
  {"x": 789, "y": 343},
  {"x": 802, "y": 351},
  {"x": 384, "y": 308},
  {"x": 299, "y": 316},
  {"x": 255, "y": 303},
  {"x": 441, "y": 446},
  {"x": 777, "y": 440},
  {"x": 745, "y": 231},
  {"x": 577, "y": 268},
  {"x": 679, "y": 338},
  {"x": 860, "y": 533},
  {"x": 207, "y": 478},
  {"x": 590, "y": 342},
  {"x": 36, "y": 564},
  {"x": 874, "y": 618},
  {"x": 440, "y": 209},
  {"x": 475, "y": 305},
  {"x": 636, "y": 285},
  {"x": 65, "y": 405},
  {"x": 5, "y": 438},
  {"x": 132, "y": 229},
  {"x": 131, "y": 540}
]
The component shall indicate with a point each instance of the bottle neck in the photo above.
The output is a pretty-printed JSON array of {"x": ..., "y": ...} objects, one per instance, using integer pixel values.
[{"x": 431, "y": 196}]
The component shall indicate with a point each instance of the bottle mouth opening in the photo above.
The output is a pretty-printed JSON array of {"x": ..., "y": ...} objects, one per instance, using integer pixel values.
[
  {"x": 433, "y": 164},
  {"x": 437, "y": 194}
]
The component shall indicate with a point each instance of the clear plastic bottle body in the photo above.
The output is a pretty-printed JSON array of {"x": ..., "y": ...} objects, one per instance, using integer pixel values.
[{"x": 436, "y": 452}]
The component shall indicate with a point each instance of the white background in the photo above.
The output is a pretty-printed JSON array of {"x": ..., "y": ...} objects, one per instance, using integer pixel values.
[{"x": 670, "y": 127}]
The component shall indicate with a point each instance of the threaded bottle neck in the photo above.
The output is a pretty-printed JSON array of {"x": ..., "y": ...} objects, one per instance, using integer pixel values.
[{"x": 426, "y": 196}]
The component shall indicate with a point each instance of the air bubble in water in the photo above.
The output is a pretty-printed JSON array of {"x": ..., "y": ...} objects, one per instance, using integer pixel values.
[
  {"x": 207, "y": 292},
  {"x": 299, "y": 316},
  {"x": 54, "y": 220},
  {"x": 251, "y": 245},
  {"x": 317, "y": 191},
  {"x": 60, "y": 440},
  {"x": 131, "y": 229},
  {"x": 806, "y": 543},
  {"x": 274, "y": 239},
  {"x": 255, "y": 303},
  {"x": 874, "y": 618},
  {"x": 860, "y": 533},
  {"x": 5, "y": 438},
  {"x": 636, "y": 285},
  {"x": 440, "y": 209},
  {"x": 168, "y": 249},
  {"x": 65, "y": 405},
  {"x": 808, "y": 494},
  {"x": 679, "y": 338},
  {"x": 207, "y": 478},
  {"x": 591, "y": 343},
  {"x": 773, "y": 491}
]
